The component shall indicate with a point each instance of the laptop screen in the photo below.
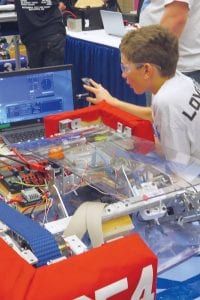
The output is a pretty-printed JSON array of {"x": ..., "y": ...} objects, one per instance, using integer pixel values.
[
  {"x": 27, "y": 96},
  {"x": 113, "y": 22}
]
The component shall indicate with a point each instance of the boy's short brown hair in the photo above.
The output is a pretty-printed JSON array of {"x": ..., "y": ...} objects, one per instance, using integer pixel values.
[{"x": 152, "y": 44}]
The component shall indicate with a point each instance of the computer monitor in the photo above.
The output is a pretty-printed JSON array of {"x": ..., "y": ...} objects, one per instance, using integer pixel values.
[{"x": 27, "y": 96}]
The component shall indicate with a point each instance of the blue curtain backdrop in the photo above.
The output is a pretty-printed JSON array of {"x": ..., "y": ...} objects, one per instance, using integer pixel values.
[{"x": 102, "y": 63}]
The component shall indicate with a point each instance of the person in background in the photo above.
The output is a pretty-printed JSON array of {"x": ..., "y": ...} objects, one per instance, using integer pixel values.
[
  {"x": 62, "y": 6},
  {"x": 112, "y": 5},
  {"x": 149, "y": 58},
  {"x": 182, "y": 18},
  {"x": 42, "y": 31}
]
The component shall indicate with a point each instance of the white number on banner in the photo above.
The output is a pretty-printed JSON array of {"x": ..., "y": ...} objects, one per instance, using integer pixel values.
[
  {"x": 83, "y": 298},
  {"x": 111, "y": 289},
  {"x": 143, "y": 290},
  {"x": 144, "y": 286}
]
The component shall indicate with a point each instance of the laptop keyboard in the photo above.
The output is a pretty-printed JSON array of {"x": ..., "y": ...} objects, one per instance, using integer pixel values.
[{"x": 28, "y": 134}]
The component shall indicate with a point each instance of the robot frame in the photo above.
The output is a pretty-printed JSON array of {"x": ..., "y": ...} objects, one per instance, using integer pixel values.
[{"x": 135, "y": 190}]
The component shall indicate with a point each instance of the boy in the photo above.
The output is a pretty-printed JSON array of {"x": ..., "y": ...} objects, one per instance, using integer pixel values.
[{"x": 149, "y": 58}]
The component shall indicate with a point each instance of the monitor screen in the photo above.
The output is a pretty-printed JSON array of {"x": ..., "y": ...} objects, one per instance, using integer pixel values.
[{"x": 32, "y": 94}]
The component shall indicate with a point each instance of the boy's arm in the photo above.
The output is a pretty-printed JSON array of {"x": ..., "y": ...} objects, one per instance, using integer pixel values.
[
  {"x": 102, "y": 94},
  {"x": 139, "y": 111}
]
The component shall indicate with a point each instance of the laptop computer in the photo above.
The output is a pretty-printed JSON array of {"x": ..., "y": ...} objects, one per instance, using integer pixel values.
[
  {"x": 113, "y": 23},
  {"x": 27, "y": 96}
]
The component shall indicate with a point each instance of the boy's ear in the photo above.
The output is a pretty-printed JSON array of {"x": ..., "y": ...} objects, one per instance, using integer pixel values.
[{"x": 147, "y": 70}]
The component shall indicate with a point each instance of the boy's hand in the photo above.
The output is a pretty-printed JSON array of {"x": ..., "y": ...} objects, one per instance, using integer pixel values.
[{"x": 99, "y": 92}]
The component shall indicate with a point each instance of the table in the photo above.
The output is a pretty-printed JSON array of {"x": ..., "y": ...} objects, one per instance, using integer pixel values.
[
  {"x": 95, "y": 54},
  {"x": 9, "y": 26},
  {"x": 180, "y": 282}
]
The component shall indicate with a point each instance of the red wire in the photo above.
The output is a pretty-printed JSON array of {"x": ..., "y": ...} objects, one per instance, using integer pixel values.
[
  {"x": 65, "y": 12},
  {"x": 31, "y": 165}
]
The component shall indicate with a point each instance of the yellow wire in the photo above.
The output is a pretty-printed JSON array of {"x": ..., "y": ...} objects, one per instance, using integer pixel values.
[{"x": 29, "y": 184}]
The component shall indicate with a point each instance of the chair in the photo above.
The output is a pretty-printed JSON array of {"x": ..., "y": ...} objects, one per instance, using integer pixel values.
[
  {"x": 131, "y": 17},
  {"x": 113, "y": 5}
]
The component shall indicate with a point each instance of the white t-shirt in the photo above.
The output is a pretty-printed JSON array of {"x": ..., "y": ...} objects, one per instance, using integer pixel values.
[
  {"x": 176, "y": 115},
  {"x": 189, "y": 41}
]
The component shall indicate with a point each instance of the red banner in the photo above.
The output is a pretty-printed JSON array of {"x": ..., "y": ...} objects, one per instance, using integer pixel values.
[{"x": 122, "y": 269}]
